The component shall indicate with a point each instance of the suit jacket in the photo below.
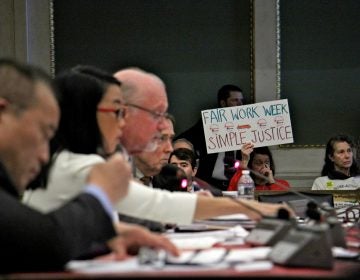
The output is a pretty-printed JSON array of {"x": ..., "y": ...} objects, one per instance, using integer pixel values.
[{"x": 31, "y": 241}]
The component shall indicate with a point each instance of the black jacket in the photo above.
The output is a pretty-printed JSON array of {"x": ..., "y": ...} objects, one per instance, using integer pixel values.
[{"x": 31, "y": 241}]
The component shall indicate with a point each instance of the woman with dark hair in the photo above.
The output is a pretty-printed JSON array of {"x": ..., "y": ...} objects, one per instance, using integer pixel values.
[
  {"x": 340, "y": 170},
  {"x": 261, "y": 162},
  {"x": 92, "y": 118},
  {"x": 94, "y": 98}
]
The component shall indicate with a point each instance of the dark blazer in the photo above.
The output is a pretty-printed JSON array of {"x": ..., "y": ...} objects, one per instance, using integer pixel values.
[{"x": 31, "y": 241}]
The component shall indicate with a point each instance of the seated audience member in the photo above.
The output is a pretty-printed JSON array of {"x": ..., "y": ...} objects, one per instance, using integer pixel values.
[
  {"x": 261, "y": 161},
  {"x": 29, "y": 240},
  {"x": 340, "y": 170},
  {"x": 215, "y": 168},
  {"x": 171, "y": 178},
  {"x": 186, "y": 160},
  {"x": 146, "y": 100},
  {"x": 184, "y": 143}
]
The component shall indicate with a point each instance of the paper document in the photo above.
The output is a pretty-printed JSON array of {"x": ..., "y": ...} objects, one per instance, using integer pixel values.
[
  {"x": 207, "y": 239},
  {"x": 247, "y": 255}
]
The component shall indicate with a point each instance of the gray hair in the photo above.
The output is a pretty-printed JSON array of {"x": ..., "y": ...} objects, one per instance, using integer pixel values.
[{"x": 132, "y": 78}]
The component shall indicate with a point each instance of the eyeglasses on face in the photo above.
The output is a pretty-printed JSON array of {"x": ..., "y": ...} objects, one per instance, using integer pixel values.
[
  {"x": 120, "y": 113},
  {"x": 163, "y": 138},
  {"x": 156, "y": 115}
]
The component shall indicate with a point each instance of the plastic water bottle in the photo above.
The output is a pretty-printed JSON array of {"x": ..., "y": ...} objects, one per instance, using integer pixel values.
[{"x": 246, "y": 186}]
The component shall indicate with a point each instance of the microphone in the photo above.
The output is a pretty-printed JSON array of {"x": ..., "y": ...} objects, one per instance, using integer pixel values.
[
  {"x": 171, "y": 178},
  {"x": 268, "y": 230},
  {"x": 317, "y": 212},
  {"x": 312, "y": 203},
  {"x": 311, "y": 244},
  {"x": 283, "y": 186},
  {"x": 283, "y": 214},
  {"x": 312, "y": 211}
]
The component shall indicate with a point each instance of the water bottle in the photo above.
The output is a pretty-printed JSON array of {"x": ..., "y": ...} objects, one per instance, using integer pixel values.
[{"x": 246, "y": 186}]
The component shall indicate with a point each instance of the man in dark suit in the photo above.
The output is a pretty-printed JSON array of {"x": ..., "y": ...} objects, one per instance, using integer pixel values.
[
  {"x": 29, "y": 240},
  {"x": 211, "y": 166}
]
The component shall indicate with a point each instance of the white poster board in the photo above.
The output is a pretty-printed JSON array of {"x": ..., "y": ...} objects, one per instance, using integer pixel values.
[{"x": 263, "y": 124}]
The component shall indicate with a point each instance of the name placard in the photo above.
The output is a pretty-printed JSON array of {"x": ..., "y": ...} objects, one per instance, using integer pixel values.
[{"x": 263, "y": 124}]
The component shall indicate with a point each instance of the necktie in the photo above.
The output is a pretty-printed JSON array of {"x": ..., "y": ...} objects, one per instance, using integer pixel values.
[
  {"x": 146, "y": 180},
  {"x": 229, "y": 161}
]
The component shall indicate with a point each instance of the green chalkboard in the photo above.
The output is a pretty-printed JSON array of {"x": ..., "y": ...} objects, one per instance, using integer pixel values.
[
  {"x": 194, "y": 46},
  {"x": 320, "y": 67}
]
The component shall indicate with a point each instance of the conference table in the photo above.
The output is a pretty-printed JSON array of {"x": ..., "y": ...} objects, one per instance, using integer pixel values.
[{"x": 342, "y": 268}]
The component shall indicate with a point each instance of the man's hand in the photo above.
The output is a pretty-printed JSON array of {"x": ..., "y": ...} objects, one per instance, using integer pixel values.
[
  {"x": 133, "y": 237},
  {"x": 112, "y": 177}
]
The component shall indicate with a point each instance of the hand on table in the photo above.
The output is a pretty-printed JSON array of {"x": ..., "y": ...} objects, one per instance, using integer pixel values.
[{"x": 133, "y": 237}]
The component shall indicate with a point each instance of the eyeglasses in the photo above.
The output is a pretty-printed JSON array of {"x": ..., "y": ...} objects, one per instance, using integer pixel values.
[
  {"x": 120, "y": 113},
  {"x": 164, "y": 138},
  {"x": 156, "y": 115}
]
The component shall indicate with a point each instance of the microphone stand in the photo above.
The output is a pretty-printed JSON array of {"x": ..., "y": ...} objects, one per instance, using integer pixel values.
[{"x": 268, "y": 230}]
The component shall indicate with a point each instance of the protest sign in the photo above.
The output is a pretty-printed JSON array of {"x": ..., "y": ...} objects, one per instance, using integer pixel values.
[{"x": 263, "y": 124}]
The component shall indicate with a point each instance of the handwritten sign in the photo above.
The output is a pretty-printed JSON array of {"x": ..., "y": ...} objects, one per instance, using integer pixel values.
[{"x": 263, "y": 124}]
